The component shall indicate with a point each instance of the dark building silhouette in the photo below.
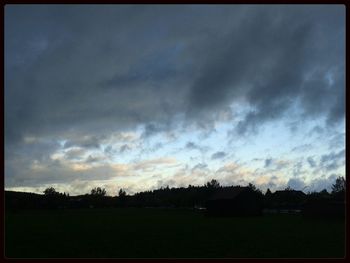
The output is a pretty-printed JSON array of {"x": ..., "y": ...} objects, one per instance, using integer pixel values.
[
  {"x": 324, "y": 206},
  {"x": 235, "y": 201},
  {"x": 287, "y": 200},
  {"x": 324, "y": 209}
]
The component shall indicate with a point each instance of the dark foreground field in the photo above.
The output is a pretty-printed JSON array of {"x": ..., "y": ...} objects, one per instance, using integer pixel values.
[{"x": 155, "y": 233}]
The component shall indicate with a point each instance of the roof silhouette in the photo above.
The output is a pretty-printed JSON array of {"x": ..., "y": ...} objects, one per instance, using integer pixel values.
[
  {"x": 294, "y": 192},
  {"x": 228, "y": 193}
]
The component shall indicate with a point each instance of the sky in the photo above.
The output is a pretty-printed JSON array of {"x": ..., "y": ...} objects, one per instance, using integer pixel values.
[{"x": 140, "y": 97}]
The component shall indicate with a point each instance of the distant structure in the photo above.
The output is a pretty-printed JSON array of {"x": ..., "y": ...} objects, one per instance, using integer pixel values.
[
  {"x": 288, "y": 200},
  {"x": 235, "y": 201},
  {"x": 324, "y": 209},
  {"x": 324, "y": 205}
]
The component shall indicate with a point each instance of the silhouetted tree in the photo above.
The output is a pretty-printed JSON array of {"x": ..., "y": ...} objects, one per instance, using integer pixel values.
[
  {"x": 338, "y": 189},
  {"x": 324, "y": 192},
  {"x": 121, "y": 193},
  {"x": 267, "y": 198},
  {"x": 53, "y": 199},
  {"x": 268, "y": 192},
  {"x": 50, "y": 191},
  {"x": 122, "y": 198},
  {"x": 339, "y": 185},
  {"x": 98, "y": 191},
  {"x": 212, "y": 184},
  {"x": 253, "y": 187}
]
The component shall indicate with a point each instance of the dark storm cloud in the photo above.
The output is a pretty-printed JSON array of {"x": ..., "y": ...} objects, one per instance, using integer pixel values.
[
  {"x": 218, "y": 155},
  {"x": 58, "y": 57},
  {"x": 59, "y": 89},
  {"x": 284, "y": 70}
]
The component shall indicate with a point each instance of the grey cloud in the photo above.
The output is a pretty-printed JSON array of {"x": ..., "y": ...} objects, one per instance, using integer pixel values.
[
  {"x": 296, "y": 183},
  {"x": 93, "y": 159},
  {"x": 148, "y": 148},
  {"x": 274, "y": 165},
  {"x": 316, "y": 130},
  {"x": 311, "y": 162},
  {"x": 333, "y": 160},
  {"x": 328, "y": 162},
  {"x": 298, "y": 168},
  {"x": 75, "y": 154},
  {"x": 337, "y": 140},
  {"x": 194, "y": 146},
  {"x": 332, "y": 166},
  {"x": 56, "y": 172},
  {"x": 268, "y": 162},
  {"x": 84, "y": 142},
  {"x": 324, "y": 182},
  {"x": 218, "y": 155},
  {"x": 109, "y": 150},
  {"x": 27, "y": 152},
  {"x": 191, "y": 146},
  {"x": 150, "y": 130},
  {"x": 200, "y": 166},
  {"x": 156, "y": 147},
  {"x": 274, "y": 177},
  {"x": 337, "y": 110},
  {"x": 153, "y": 163},
  {"x": 124, "y": 148}
]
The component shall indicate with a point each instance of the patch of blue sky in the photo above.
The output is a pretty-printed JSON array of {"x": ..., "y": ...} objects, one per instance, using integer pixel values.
[
  {"x": 271, "y": 141},
  {"x": 61, "y": 142}
]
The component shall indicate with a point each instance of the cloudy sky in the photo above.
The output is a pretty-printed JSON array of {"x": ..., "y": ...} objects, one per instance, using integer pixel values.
[{"x": 138, "y": 97}]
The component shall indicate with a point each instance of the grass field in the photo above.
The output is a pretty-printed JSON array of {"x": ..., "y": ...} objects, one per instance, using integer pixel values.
[{"x": 161, "y": 233}]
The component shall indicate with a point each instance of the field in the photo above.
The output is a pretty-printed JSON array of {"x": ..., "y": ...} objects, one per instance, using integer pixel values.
[{"x": 168, "y": 233}]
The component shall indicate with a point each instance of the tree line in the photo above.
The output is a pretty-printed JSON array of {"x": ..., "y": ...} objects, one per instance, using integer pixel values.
[{"x": 180, "y": 197}]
